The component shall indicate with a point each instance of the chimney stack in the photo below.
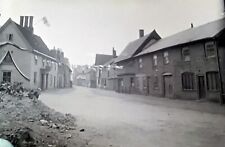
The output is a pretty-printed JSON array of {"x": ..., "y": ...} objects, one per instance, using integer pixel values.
[
  {"x": 26, "y": 21},
  {"x": 31, "y": 24},
  {"x": 114, "y": 53},
  {"x": 21, "y": 20},
  {"x": 141, "y": 33}
]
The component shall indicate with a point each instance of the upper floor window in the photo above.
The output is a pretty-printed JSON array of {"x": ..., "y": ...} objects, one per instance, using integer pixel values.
[
  {"x": 10, "y": 37},
  {"x": 43, "y": 62},
  {"x": 212, "y": 81},
  {"x": 35, "y": 77},
  {"x": 36, "y": 59},
  {"x": 166, "y": 57},
  {"x": 210, "y": 49},
  {"x": 186, "y": 54},
  {"x": 188, "y": 81},
  {"x": 155, "y": 60},
  {"x": 140, "y": 63}
]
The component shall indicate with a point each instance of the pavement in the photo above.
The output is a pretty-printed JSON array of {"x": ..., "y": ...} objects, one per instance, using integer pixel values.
[{"x": 122, "y": 120}]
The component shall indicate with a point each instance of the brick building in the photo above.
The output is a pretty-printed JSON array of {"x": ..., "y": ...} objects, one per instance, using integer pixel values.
[{"x": 186, "y": 65}]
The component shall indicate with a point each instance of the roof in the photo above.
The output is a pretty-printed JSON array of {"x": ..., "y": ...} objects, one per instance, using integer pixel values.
[
  {"x": 137, "y": 45},
  {"x": 101, "y": 59},
  {"x": 110, "y": 62},
  {"x": 206, "y": 31},
  {"x": 14, "y": 63},
  {"x": 35, "y": 41}
]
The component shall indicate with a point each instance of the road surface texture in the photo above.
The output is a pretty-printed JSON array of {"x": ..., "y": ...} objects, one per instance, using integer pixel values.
[{"x": 111, "y": 119}]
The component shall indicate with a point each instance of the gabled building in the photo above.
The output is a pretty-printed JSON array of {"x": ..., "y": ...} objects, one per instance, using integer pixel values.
[
  {"x": 100, "y": 60},
  {"x": 24, "y": 57},
  {"x": 188, "y": 65},
  {"x": 129, "y": 75}
]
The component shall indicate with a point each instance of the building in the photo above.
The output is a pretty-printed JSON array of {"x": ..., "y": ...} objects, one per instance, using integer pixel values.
[
  {"x": 64, "y": 74},
  {"x": 129, "y": 76},
  {"x": 186, "y": 65},
  {"x": 24, "y": 57},
  {"x": 100, "y": 60}
]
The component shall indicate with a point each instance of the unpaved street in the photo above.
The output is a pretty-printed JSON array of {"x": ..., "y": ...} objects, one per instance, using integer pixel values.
[{"x": 112, "y": 119}]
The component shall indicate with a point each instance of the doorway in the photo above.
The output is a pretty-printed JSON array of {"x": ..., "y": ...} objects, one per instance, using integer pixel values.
[
  {"x": 168, "y": 86},
  {"x": 201, "y": 87}
]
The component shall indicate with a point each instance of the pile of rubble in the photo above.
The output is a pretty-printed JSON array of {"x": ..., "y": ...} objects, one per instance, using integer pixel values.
[{"x": 28, "y": 123}]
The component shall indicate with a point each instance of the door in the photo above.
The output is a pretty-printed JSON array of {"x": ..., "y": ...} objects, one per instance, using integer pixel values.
[
  {"x": 148, "y": 85},
  {"x": 168, "y": 86},
  {"x": 42, "y": 81},
  {"x": 201, "y": 87}
]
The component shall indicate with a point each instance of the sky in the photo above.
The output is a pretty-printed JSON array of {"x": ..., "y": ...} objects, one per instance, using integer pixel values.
[{"x": 83, "y": 28}]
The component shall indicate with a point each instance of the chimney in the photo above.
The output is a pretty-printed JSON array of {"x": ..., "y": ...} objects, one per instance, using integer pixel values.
[
  {"x": 26, "y": 21},
  {"x": 31, "y": 24},
  {"x": 114, "y": 53},
  {"x": 21, "y": 20},
  {"x": 192, "y": 26},
  {"x": 141, "y": 33}
]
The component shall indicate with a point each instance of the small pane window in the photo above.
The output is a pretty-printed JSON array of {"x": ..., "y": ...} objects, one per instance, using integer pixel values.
[
  {"x": 186, "y": 54},
  {"x": 188, "y": 81},
  {"x": 212, "y": 81},
  {"x": 140, "y": 63},
  {"x": 7, "y": 76},
  {"x": 210, "y": 49},
  {"x": 155, "y": 60},
  {"x": 166, "y": 57}
]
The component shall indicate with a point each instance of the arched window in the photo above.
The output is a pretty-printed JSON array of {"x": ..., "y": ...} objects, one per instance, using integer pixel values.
[{"x": 188, "y": 81}]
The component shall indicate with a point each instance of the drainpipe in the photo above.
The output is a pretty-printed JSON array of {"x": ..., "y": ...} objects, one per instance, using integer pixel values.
[{"x": 220, "y": 75}]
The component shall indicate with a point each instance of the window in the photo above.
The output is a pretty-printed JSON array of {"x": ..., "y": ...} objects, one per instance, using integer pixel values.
[
  {"x": 140, "y": 63},
  {"x": 186, "y": 54},
  {"x": 108, "y": 73},
  {"x": 10, "y": 37},
  {"x": 188, "y": 81},
  {"x": 6, "y": 76},
  {"x": 132, "y": 82},
  {"x": 212, "y": 81},
  {"x": 35, "y": 77},
  {"x": 43, "y": 62},
  {"x": 210, "y": 49},
  {"x": 166, "y": 57},
  {"x": 155, "y": 60},
  {"x": 156, "y": 83},
  {"x": 35, "y": 59}
]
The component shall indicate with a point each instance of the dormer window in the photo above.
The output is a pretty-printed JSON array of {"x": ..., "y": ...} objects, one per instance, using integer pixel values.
[{"x": 10, "y": 37}]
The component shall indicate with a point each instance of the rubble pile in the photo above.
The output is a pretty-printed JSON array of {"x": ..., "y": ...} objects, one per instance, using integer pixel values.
[{"x": 28, "y": 123}]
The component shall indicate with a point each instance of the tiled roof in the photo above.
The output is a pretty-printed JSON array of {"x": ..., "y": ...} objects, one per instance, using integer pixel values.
[
  {"x": 137, "y": 45},
  {"x": 35, "y": 41},
  {"x": 206, "y": 31},
  {"x": 101, "y": 59}
]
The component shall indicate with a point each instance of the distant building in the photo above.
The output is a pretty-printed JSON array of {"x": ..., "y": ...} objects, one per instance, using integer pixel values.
[
  {"x": 101, "y": 69},
  {"x": 64, "y": 71},
  {"x": 24, "y": 57}
]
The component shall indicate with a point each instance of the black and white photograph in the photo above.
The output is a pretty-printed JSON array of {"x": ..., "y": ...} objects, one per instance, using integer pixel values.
[{"x": 112, "y": 73}]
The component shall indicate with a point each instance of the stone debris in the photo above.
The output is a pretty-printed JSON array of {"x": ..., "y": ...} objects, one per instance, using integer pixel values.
[{"x": 28, "y": 123}]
